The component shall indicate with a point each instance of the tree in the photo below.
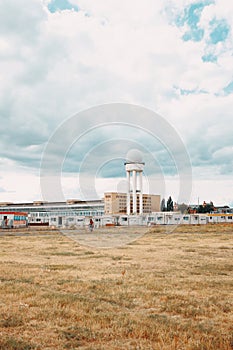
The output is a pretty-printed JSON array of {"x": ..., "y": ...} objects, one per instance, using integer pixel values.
[
  {"x": 163, "y": 205},
  {"x": 170, "y": 204},
  {"x": 183, "y": 208},
  {"x": 206, "y": 208}
]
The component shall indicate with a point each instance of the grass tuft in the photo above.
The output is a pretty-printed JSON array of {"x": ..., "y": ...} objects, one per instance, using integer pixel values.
[{"x": 12, "y": 343}]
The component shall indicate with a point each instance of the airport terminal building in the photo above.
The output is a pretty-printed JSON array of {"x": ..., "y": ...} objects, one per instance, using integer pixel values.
[
  {"x": 73, "y": 214},
  {"x": 56, "y": 213}
]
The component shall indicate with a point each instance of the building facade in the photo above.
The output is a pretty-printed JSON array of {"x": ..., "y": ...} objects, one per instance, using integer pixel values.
[
  {"x": 116, "y": 203},
  {"x": 10, "y": 219},
  {"x": 41, "y": 213}
]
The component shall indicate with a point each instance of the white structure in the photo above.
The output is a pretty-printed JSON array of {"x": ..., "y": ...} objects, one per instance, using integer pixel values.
[{"x": 134, "y": 166}]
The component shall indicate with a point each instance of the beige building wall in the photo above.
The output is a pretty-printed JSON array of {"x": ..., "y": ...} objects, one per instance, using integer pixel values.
[
  {"x": 151, "y": 203},
  {"x": 116, "y": 203},
  {"x": 155, "y": 203}
]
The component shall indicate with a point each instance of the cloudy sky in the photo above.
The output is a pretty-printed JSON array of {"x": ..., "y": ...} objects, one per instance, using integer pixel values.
[{"x": 59, "y": 58}]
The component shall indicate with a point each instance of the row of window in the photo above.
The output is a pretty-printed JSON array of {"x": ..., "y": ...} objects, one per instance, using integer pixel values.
[
  {"x": 68, "y": 213},
  {"x": 169, "y": 217},
  {"x": 222, "y": 217},
  {"x": 19, "y": 218},
  {"x": 53, "y": 219}
]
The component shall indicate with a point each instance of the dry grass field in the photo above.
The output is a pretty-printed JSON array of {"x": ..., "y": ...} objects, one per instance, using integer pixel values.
[{"x": 162, "y": 291}]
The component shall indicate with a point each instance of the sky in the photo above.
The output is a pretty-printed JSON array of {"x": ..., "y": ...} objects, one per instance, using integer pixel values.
[{"x": 60, "y": 58}]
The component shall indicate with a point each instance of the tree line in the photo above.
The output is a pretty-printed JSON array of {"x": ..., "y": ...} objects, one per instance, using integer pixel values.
[{"x": 185, "y": 208}]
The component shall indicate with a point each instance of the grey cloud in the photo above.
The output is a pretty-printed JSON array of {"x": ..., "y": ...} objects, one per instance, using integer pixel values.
[
  {"x": 22, "y": 155},
  {"x": 212, "y": 147},
  {"x": 102, "y": 151},
  {"x": 56, "y": 78},
  {"x": 50, "y": 86},
  {"x": 106, "y": 145},
  {"x": 21, "y": 19}
]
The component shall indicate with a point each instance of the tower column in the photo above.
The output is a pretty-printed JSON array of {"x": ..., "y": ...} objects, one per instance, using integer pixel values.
[
  {"x": 134, "y": 192},
  {"x": 140, "y": 194},
  {"x": 128, "y": 193}
]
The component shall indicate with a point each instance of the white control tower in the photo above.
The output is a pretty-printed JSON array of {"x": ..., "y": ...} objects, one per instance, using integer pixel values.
[{"x": 134, "y": 165}]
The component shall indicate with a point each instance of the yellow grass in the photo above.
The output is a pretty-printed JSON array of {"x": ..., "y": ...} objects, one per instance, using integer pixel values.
[{"x": 163, "y": 291}]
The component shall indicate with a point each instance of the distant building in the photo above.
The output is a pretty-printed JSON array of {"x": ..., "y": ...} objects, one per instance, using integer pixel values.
[
  {"x": 40, "y": 212},
  {"x": 116, "y": 203},
  {"x": 223, "y": 209},
  {"x": 11, "y": 219}
]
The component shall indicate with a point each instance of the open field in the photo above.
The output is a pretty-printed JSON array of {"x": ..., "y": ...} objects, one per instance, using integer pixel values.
[{"x": 161, "y": 291}]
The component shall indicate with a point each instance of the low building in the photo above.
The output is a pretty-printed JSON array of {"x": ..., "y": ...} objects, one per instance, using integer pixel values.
[
  {"x": 220, "y": 218},
  {"x": 116, "y": 203},
  {"x": 10, "y": 219},
  {"x": 39, "y": 212}
]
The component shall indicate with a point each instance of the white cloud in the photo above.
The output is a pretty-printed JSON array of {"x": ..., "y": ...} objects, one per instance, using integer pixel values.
[
  {"x": 114, "y": 12},
  {"x": 19, "y": 183},
  {"x": 54, "y": 65}
]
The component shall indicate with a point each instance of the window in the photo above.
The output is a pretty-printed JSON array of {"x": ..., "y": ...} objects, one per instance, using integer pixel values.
[
  {"x": 43, "y": 214},
  {"x": 19, "y": 218}
]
